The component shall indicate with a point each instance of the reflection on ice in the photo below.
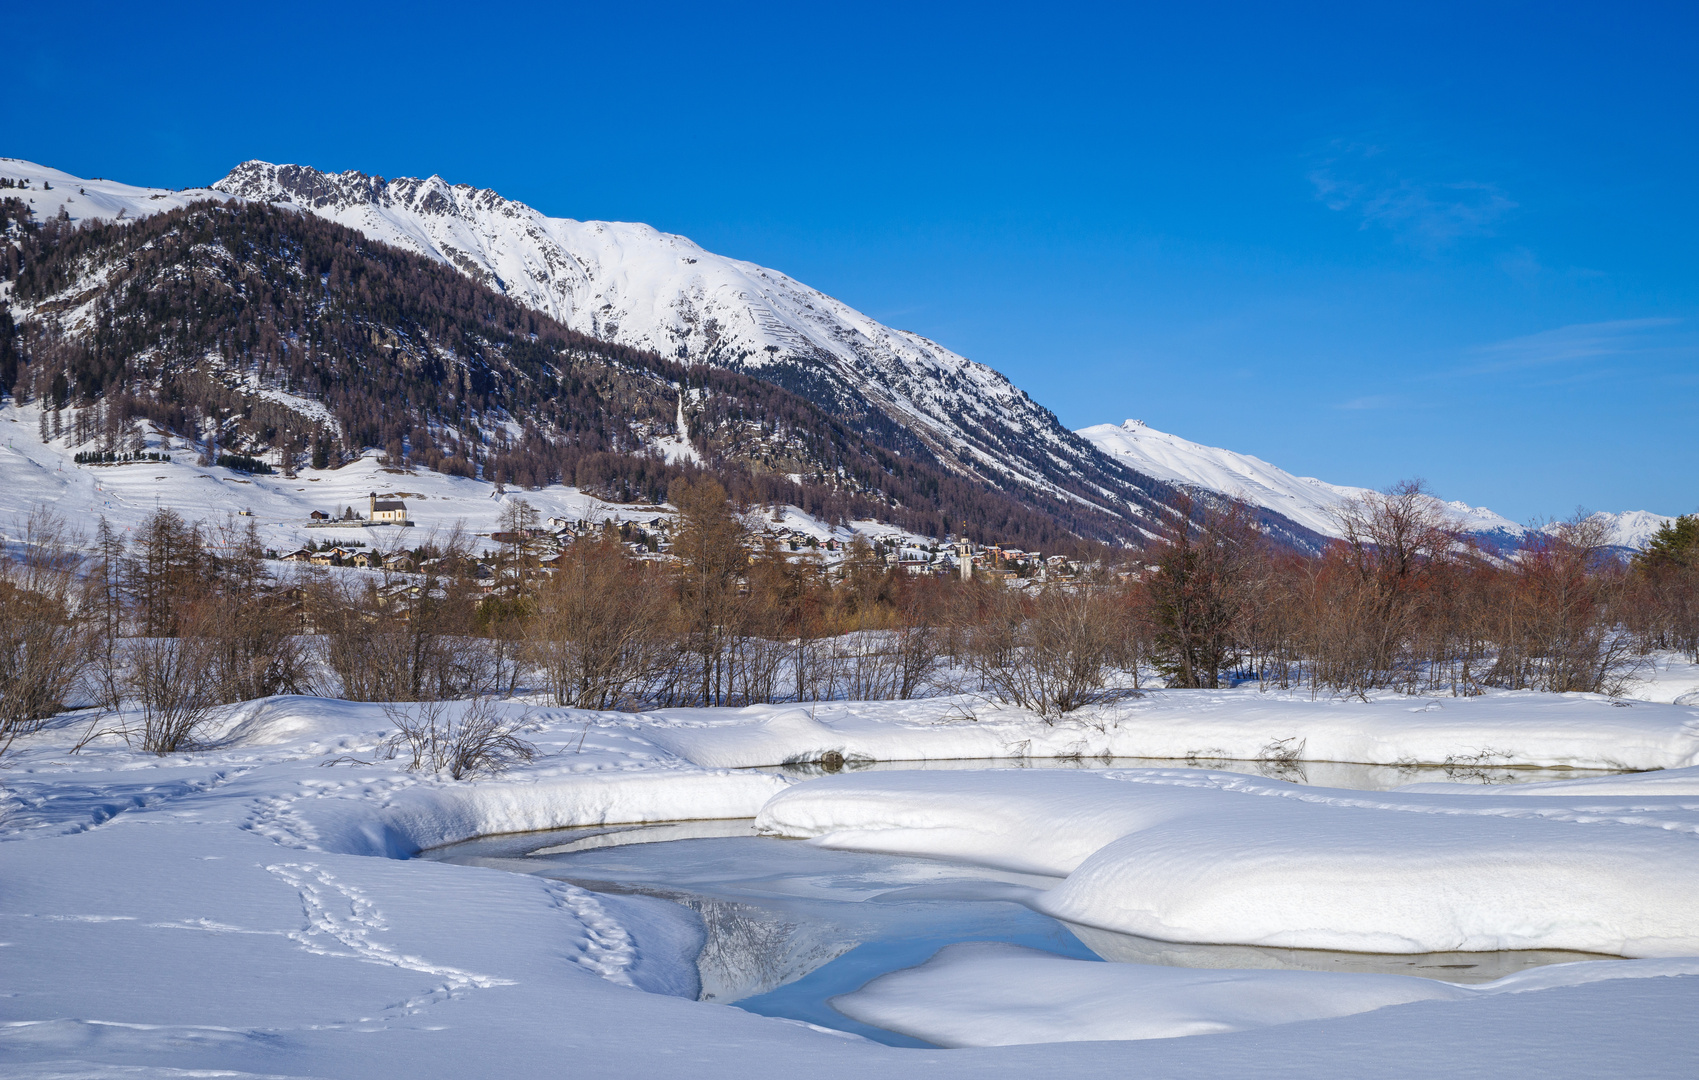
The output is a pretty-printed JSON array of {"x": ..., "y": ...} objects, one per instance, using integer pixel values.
[
  {"x": 791, "y": 926},
  {"x": 1334, "y": 774},
  {"x": 1451, "y": 967}
]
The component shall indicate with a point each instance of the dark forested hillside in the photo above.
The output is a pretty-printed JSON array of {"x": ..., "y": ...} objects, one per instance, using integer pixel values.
[{"x": 265, "y": 332}]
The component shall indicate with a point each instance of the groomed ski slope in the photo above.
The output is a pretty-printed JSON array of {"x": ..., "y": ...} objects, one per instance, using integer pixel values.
[{"x": 251, "y": 908}]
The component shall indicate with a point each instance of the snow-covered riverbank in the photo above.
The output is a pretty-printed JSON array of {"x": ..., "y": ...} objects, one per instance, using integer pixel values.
[{"x": 250, "y": 908}]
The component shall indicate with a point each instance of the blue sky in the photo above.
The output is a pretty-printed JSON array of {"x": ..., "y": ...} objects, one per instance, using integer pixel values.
[{"x": 1456, "y": 242}]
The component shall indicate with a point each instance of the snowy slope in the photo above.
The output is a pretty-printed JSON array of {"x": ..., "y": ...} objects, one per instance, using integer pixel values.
[
  {"x": 632, "y": 284},
  {"x": 1633, "y": 529},
  {"x": 51, "y": 190},
  {"x": 41, "y": 474},
  {"x": 1304, "y": 499}
]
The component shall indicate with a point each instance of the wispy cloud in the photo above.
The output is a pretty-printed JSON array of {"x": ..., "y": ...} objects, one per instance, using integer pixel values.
[
  {"x": 1425, "y": 212},
  {"x": 1372, "y": 401},
  {"x": 1585, "y": 343}
]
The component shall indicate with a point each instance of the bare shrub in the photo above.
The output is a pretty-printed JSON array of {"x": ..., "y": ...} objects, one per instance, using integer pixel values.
[
  {"x": 868, "y": 665},
  {"x": 602, "y": 629},
  {"x": 461, "y": 739},
  {"x": 166, "y": 570},
  {"x": 1660, "y": 602},
  {"x": 406, "y": 637},
  {"x": 255, "y": 650},
  {"x": 1553, "y": 629},
  {"x": 43, "y": 649},
  {"x": 1396, "y": 544},
  {"x": 711, "y": 546},
  {"x": 104, "y": 603},
  {"x": 1053, "y": 654},
  {"x": 174, "y": 683},
  {"x": 918, "y": 644}
]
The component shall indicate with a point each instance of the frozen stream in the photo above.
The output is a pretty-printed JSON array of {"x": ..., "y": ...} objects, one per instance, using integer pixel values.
[
  {"x": 791, "y": 926},
  {"x": 1349, "y": 775}
]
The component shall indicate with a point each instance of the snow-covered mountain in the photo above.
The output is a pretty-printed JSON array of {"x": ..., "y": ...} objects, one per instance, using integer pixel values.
[
  {"x": 51, "y": 192},
  {"x": 635, "y": 285},
  {"x": 1633, "y": 529},
  {"x": 632, "y": 284},
  {"x": 1310, "y": 502}
]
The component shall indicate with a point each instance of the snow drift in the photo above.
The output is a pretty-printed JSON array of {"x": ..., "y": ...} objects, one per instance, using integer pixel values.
[{"x": 1219, "y": 857}]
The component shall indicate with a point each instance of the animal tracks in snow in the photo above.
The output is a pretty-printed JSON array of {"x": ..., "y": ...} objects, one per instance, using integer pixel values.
[
  {"x": 29, "y": 809},
  {"x": 607, "y": 949},
  {"x": 342, "y": 921},
  {"x": 276, "y": 818}
]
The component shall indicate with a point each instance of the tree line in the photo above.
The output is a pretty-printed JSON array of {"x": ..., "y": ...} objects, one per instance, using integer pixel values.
[{"x": 156, "y": 630}]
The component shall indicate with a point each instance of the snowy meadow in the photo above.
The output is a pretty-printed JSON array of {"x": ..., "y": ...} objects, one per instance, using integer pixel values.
[
  {"x": 719, "y": 806},
  {"x": 286, "y": 900}
]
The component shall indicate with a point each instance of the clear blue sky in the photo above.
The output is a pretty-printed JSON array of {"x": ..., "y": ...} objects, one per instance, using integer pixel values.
[{"x": 1364, "y": 242}]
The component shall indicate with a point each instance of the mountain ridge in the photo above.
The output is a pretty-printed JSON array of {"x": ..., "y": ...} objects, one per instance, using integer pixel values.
[
  {"x": 256, "y": 329},
  {"x": 1305, "y": 499},
  {"x": 897, "y": 388},
  {"x": 635, "y": 285}
]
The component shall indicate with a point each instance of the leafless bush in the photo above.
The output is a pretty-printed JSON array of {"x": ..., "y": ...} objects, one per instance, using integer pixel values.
[
  {"x": 711, "y": 546},
  {"x": 43, "y": 649},
  {"x": 406, "y": 637},
  {"x": 919, "y": 644},
  {"x": 1200, "y": 588},
  {"x": 1057, "y": 658},
  {"x": 602, "y": 632},
  {"x": 1551, "y": 622},
  {"x": 757, "y": 663},
  {"x": 868, "y": 665},
  {"x": 174, "y": 682},
  {"x": 462, "y": 739}
]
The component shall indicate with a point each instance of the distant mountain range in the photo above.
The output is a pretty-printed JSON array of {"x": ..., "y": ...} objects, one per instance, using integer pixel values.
[
  {"x": 1310, "y": 502},
  {"x": 633, "y": 285}
]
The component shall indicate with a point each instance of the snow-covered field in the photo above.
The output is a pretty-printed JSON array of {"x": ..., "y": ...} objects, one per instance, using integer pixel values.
[
  {"x": 46, "y": 474},
  {"x": 252, "y": 909},
  {"x": 1504, "y": 728}
]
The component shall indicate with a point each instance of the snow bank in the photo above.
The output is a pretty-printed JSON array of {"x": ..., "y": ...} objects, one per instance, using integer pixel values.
[
  {"x": 1661, "y": 782},
  {"x": 335, "y": 790},
  {"x": 1585, "y": 731},
  {"x": 201, "y": 914},
  {"x": 367, "y": 819},
  {"x": 990, "y": 994},
  {"x": 1217, "y": 857}
]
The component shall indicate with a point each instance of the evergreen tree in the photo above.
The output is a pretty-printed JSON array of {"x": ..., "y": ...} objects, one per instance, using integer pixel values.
[{"x": 1676, "y": 543}]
